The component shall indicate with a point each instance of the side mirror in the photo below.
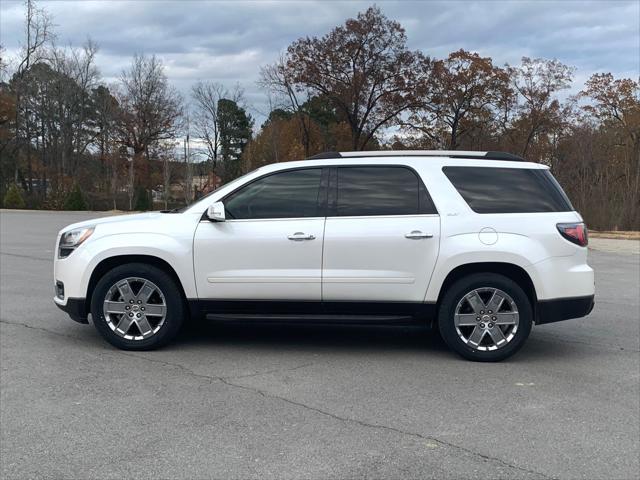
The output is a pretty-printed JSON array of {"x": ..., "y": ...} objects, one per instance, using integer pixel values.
[{"x": 215, "y": 212}]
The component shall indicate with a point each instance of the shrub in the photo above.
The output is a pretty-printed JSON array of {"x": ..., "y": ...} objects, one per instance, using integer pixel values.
[
  {"x": 13, "y": 197},
  {"x": 75, "y": 200}
]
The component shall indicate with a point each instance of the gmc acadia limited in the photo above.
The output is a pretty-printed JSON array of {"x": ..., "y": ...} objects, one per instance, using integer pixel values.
[{"x": 481, "y": 245}]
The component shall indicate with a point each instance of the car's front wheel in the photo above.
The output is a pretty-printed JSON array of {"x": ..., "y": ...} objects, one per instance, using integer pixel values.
[
  {"x": 485, "y": 317},
  {"x": 137, "y": 307}
]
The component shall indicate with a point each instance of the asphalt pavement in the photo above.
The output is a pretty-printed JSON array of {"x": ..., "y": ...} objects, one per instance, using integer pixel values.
[{"x": 310, "y": 402}]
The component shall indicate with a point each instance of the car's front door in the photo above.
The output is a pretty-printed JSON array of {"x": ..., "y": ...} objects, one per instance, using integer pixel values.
[
  {"x": 381, "y": 238},
  {"x": 270, "y": 246}
]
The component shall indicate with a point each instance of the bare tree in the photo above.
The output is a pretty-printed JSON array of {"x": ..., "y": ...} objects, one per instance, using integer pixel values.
[
  {"x": 105, "y": 112},
  {"x": 537, "y": 81},
  {"x": 80, "y": 77},
  {"x": 206, "y": 120},
  {"x": 278, "y": 79},
  {"x": 4, "y": 64},
  {"x": 616, "y": 104},
  {"x": 38, "y": 31},
  {"x": 150, "y": 110},
  {"x": 618, "y": 101}
]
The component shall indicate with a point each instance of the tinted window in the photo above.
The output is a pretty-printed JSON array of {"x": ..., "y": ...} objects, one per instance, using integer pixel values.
[
  {"x": 292, "y": 194},
  {"x": 363, "y": 191},
  {"x": 508, "y": 190}
]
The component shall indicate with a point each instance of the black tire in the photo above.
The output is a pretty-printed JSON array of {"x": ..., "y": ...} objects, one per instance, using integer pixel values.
[
  {"x": 458, "y": 291},
  {"x": 175, "y": 308}
]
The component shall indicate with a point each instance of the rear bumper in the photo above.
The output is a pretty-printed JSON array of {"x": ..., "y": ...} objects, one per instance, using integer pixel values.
[
  {"x": 74, "y": 307},
  {"x": 549, "y": 311}
]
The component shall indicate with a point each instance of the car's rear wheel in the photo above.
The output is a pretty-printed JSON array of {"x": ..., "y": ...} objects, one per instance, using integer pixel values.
[
  {"x": 485, "y": 317},
  {"x": 137, "y": 307}
]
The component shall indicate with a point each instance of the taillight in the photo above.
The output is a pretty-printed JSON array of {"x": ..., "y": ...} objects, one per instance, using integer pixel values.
[{"x": 574, "y": 232}]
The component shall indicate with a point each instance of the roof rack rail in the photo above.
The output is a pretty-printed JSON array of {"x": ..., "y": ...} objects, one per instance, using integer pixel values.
[
  {"x": 503, "y": 156},
  {"x": 324, "y": 155},
  {"x": 420, "y": 153}
]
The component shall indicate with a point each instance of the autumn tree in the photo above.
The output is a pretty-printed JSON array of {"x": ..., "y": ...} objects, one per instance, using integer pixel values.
[
  {"x": 364, "y": 69},
  {"x": 7, "y": 129},
  {"x": 280, "y": 140},
  {"x": 277, "y": 141},
  {"x": 464, "y": 87}
]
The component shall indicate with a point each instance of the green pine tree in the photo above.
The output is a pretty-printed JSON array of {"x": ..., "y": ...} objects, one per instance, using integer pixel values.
[
  {"x": 235, "y": 126},
  {"x": 13, "y": 197},
  {"x": 75, "y": 200}
]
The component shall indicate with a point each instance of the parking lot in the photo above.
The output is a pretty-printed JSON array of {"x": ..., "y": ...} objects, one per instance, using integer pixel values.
[{"x": 311, "y": 402}]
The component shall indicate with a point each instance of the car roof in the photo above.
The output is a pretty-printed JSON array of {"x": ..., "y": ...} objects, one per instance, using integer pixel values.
[
  {"x": 489, "y": 155},
  {"x": 418, "y": 159}
]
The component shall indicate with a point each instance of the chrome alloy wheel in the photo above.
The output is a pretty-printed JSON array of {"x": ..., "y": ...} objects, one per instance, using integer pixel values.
[
  {"x": 486, "y": 319},
  {"x": 134, "y": 308}
]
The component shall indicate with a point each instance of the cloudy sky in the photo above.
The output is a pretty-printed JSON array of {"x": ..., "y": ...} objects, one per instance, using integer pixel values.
[{"x": 228, "y": 41}]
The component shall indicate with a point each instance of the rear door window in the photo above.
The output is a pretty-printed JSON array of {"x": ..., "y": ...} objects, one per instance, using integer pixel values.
[
  {"x": 367, "y": 191},
  {"x": 508, "y": 190}
]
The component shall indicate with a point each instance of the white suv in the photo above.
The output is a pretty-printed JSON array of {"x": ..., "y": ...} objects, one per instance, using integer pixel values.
[{"x": 481, "y": 244}]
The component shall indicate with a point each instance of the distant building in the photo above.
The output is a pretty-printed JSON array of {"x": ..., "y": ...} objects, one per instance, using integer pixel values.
[{"x": 200, "y": 185}]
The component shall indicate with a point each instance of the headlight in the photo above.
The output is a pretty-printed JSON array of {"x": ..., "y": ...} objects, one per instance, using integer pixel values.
[{"x": 72, "y": 239}]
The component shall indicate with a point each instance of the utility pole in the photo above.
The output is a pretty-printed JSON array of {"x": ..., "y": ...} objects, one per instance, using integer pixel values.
[{"x": 188, "y": 173}]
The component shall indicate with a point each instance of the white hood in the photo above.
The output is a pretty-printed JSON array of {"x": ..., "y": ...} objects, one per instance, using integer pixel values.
[{"x": 136, "y": 217}]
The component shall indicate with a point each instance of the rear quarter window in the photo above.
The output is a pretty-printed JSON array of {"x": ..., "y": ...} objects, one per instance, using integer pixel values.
[{"x": 508, "y": 190}]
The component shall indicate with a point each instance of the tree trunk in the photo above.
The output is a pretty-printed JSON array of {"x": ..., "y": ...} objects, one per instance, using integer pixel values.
[{"x": 453, "y": 141}]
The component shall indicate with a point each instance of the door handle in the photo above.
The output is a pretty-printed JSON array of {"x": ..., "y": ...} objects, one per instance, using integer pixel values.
[
  {"x": 298, "y": 236},
  {"x": 415, "y": 234}
]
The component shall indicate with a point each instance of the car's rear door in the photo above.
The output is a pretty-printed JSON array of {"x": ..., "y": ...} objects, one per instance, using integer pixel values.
[
  {"x": 381, "y": 235},
  {"x": 270, "y": 246}
]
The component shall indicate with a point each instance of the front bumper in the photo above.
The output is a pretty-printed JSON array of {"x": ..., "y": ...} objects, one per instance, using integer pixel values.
[
  {"x": 74, "y": 307},
  {"x": 549, "y": 311}
]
